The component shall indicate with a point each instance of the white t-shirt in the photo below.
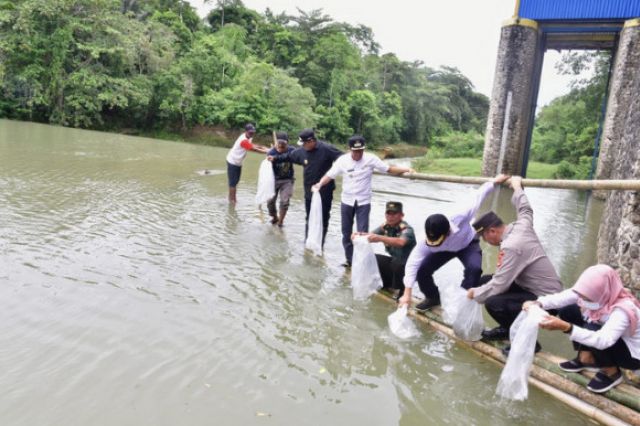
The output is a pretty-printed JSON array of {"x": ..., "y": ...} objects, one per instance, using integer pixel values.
[
  {"x": 237, "y": 152},
  {"x": 356, "y": 183}
]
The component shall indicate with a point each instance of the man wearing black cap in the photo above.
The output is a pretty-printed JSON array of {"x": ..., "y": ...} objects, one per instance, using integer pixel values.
[
  {"x": 399, "y": 239},
  {"x": 523, "y": 272},
  {"x": 236, "y": 156},
  {"x": 446, "y": 238},
  {"x": 283, "y": 173},
  {"x": 316, "y": 157},
  {"x": 357, "y": 168}
]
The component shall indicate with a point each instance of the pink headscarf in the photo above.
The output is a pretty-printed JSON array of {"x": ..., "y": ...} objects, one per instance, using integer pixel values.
[{"x": 602, "y": 284}]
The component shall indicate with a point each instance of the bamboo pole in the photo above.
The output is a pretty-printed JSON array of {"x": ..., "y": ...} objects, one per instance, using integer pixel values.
[
  {"x": 586, "y": 185},
  {"x": 595, "y": 406}
]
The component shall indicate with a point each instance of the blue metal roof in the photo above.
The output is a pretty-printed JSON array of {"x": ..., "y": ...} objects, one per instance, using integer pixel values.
[{"x": 607, "y": 10}]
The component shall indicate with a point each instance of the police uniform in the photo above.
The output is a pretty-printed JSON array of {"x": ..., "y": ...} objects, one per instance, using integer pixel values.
[
  {"x": 523, "y": 272},
  {"x": 392, "y": 267}
]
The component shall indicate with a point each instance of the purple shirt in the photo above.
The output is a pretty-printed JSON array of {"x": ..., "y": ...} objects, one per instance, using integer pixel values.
[{"x": 460, "y": 235}]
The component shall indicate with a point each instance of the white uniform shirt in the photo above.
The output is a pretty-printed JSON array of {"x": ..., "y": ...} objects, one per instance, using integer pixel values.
[
  {"x": 237, "y": 153},
  {"x": 614, "y": 327},
  {"x": 356, "y": 182}
]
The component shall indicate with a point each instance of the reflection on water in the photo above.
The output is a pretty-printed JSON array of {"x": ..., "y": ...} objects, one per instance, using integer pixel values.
[{"x": 132, "y": 294}]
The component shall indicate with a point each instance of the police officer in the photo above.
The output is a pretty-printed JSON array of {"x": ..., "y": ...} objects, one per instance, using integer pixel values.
[
  {"x": 523, "y": 272},
  {"x": 316, "y": 157},
  {"x": 399, "y": 239}
]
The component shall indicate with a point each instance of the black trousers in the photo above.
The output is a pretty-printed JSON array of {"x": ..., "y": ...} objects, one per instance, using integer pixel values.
[
  {"x": 617, "y": 355},
  {"x": 391, "y": 272},
  {"x": 505, "y": 307},
  {"x": 471, "y": 259}
]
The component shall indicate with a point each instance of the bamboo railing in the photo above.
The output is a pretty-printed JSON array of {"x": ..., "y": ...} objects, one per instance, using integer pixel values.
[{"x": 586, "y": 185}]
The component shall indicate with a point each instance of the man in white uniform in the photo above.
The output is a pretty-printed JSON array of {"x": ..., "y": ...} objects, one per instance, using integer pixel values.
[{"x": 357, "y": 168}]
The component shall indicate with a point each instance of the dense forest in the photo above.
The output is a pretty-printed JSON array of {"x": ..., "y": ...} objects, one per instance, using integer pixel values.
[
  {"x": 107, "y": 64},
  {"x": 155, "y": 65}
]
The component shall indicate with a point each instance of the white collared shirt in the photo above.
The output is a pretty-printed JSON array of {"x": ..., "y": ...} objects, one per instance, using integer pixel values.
[{"x": 356, "y": 182}]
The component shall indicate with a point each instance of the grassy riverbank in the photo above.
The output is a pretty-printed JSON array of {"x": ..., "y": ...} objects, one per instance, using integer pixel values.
[{"x": 473, "y": 167}]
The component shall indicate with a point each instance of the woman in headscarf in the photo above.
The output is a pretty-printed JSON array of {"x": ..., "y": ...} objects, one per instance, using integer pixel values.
[{"x": 602, "y": 318}]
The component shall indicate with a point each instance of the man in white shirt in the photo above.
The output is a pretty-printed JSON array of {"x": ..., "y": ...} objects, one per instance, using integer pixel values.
[
  {"x": 357, "y": 168},
  {"x": 236, "y": 155}
]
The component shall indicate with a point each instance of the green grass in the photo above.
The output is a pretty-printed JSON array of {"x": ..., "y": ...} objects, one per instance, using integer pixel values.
[{"x": 473, "y": 167}]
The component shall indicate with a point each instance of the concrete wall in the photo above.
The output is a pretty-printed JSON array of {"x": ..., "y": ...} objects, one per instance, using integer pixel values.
[
  {"x": 514, "y": 73},
  {"x": 619, "y": 236},
  {"x": 625, "y": 73}
]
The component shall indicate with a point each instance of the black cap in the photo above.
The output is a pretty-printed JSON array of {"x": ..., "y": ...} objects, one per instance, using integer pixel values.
[
  {"x": 436, "y": 227},
  {"x": 249, "y": 127},
  {"x": 356, "y": 142},
  {"x": 393, "y": 206},
  {"x": 486, "y": 221},
  {"x": 282, "y": 137},
  {"x": 306, "y": 135}
]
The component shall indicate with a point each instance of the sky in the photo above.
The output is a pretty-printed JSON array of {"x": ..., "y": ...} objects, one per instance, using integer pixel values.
[{"x": 459, "y": 33}]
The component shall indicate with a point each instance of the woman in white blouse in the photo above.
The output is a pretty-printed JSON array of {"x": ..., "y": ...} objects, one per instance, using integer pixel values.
[{"x": 602, "y": 318}]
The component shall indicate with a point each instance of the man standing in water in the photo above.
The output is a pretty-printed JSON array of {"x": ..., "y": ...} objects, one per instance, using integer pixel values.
[
  {"x": 316, "y": 157},
  {"x": 524, "y": 272},
  {"x": 283, "y": 172},
  {"x": 357, "y": 168},
  {"x": 236, "y": 156},
  {"x": 446, "y": 238}
]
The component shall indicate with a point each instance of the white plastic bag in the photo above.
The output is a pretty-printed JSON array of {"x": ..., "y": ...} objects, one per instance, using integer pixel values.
[
  {"x": 468, "y": 323},
  {"x": 462, "y": 313},
  {"x": 314, "y": 232},
  {"x": 365, "y": 275},
  {"x": 266, "y": 183},
  {"x": 523, "y": 334},
  {"x": 401, "y": 325}
]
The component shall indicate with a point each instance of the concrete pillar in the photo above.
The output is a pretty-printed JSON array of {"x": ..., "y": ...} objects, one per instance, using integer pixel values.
[
  {"x": 624, "y": 75},
  {"x": 619, "y": 235},
  {"x": 511, "y": 99}
]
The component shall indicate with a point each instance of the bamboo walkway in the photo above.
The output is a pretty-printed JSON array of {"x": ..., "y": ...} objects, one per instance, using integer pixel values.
[{"x": 619, "y": 406}]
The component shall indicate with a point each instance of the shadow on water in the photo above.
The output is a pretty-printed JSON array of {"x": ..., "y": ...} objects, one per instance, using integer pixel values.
[{"x": 128, "y": 281}]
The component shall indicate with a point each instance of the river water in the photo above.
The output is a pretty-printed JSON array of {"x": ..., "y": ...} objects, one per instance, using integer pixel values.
[{"x": 131, "y": 294}]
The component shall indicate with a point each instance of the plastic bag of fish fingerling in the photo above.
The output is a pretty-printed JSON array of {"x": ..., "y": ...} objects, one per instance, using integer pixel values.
[
  {"x": 314, "y": 231},
  {"x": 523, "y": 334},
  {"x": 449, "y": 301},
  {"x": 468, "y": 323},
  {"x": 266, "y": 183},
  {"x": 365, "y": 275},
  {"x": 401, "y": 325}
]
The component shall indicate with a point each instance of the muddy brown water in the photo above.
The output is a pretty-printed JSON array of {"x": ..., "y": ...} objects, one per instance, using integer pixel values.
[{"x": 131, "y": 294}]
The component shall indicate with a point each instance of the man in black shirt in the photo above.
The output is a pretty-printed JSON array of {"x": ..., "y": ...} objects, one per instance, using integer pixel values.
[{"x": 316, "y": 157}]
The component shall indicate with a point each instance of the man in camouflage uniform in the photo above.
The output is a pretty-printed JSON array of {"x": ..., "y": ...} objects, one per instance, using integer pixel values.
[{"x": 399, "y": 239}]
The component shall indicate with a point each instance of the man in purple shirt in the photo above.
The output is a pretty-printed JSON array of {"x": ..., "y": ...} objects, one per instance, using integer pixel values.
[{"x": 446, "y": 238}]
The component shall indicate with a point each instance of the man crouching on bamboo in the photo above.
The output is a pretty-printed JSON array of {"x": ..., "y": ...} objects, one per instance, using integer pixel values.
[
  {"x": 524, "y": 272},
  {"x": 447, "y": 238}
]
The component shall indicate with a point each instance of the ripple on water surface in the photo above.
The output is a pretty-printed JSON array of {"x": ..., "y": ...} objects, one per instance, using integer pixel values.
[{"x": 133, "y": 294}]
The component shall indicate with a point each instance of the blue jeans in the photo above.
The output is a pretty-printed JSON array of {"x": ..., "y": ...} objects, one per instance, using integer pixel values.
[
  {"x": 471, "y": 258},
  {"x": 361, "y": 214}
]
